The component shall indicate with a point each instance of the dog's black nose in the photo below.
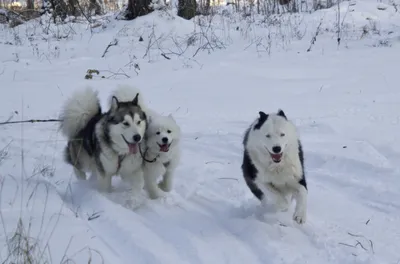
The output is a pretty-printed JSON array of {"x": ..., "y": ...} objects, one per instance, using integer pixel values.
[
  {"x": 164, "y": 140},
  {"x": 277, "y": 149},
  {"x": 137, "y": 138}
]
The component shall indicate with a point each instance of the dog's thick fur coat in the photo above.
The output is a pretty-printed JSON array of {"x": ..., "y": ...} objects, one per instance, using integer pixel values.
[
  {"x": 104, "y": 144},
  {"x": 273, "y": 162},
  {"x": 162, "y": 154}
]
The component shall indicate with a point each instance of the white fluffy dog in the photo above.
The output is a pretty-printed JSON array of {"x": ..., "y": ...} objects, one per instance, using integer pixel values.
[{"x": 162, "y": 154}]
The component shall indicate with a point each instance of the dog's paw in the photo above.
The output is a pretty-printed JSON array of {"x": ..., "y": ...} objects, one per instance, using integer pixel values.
[
  {"x": 166, "y": 187},
  {"x": 155, "y": 194},
  {"x": 300, "y": 217}
]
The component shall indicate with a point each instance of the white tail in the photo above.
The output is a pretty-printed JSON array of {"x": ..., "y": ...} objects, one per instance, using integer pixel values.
[{"x": 77, "y": 111}]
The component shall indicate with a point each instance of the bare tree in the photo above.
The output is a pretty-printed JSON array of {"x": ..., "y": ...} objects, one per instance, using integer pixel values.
[
  {"x": 284, "y": 2},
  {"x": 30, "y": 5},
  {"x": 57, "y": 8},
  {"x": 136, "y": 8},
  {"x": 204, "y": 7},
  {"x": 187, "y": 8},
  {"x": 73, "y": 8},
  {"x": 94, "y": 5}
]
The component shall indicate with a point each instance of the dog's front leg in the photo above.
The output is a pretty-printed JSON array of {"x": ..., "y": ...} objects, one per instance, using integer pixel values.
[
  {"x": 135, "y": 179},
  {"x": 281, "y": 200},
  {"x": 151, "y": 173},
  {"x": 104, "y": 170},
  {"x": 137, "y": 182},
  {"x": 103, "y": 181},
  {"x": 131, "y": 172},
  {"x": 259, "y": 189},
  {"x": 167, "y": 180},
  {"x": 300, "y": 212}
]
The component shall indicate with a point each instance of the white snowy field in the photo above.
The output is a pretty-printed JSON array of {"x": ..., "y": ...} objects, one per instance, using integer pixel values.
[{"x": 345, "y": 102}]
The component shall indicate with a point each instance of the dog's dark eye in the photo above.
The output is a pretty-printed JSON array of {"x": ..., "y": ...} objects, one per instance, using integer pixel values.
[
  {"x": 126, "y": 124},
  {"x": 112, "y": 120},
  {"x": 138, "y": 122},
  {"x": 268, "y": 135},
  {"x": 169, "y": 131},
  {"x": 158, "y": 133},
  {"x": 282, "y": 134}
]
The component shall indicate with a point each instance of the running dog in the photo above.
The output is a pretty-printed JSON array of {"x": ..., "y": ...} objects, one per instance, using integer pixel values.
[
  {"x": 104, "y": 144},
  {"x": 273, "y": 162}
]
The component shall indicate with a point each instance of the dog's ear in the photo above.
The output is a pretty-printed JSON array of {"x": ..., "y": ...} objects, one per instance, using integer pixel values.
[
  {"x": 114, "y": 103},
  {"x": 281, "y": 113},
  {"x": 135, "y": 100},
  {"x": 263, "y": 115},
  {"x": 261, "y": 120}
]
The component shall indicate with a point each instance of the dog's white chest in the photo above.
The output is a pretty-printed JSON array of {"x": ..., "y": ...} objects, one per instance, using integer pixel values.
[
  {"x": 164, "y": 158},
  {"x": 277, "y": 175},
  {"x": 109, "y": 161},
  {"x": 130, "y": 162}
]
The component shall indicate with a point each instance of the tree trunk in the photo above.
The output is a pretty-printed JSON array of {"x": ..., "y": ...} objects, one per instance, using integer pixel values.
[
  {"x": 57, "y": 8},
  {"x": 30, "y": 5},
  {"x": 187, "y": 8},
  {"x": 207, "y": 8},
  {"x": 136, "y": 8},
  {"x": 284, "y": 2},
  {"x": 73, "y": 9},
  {"x": 94, "y": 5}
]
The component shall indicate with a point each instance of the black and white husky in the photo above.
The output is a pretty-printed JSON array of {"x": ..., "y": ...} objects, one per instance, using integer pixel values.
[
  {"x": 105, "y": 144},
  {"x": 273, "y": 162}
]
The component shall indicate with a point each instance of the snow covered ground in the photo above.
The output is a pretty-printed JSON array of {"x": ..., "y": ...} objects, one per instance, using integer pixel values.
[{"x": 345, "y": 102}]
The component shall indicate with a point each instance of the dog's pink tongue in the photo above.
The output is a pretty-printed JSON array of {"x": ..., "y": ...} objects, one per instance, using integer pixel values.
[
  {"x": 276, "y": 156},
  {"x": 164, "y": 148},
  {"x": 133, "y": 148}
]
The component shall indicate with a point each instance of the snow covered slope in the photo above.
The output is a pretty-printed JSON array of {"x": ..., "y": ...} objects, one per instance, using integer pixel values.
[{"x": 345, "y": 101}]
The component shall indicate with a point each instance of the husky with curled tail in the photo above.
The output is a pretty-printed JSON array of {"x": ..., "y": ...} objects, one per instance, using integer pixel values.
[
  {"x": 99, "y": 142},
  {"x": 273, "y": 163}
]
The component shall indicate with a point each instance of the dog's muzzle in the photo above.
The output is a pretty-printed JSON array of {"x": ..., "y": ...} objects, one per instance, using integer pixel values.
[
  {"x": 164, "y": 147},
  {"x": 133, "y": 147},
  {"x": 276, "y": 154},
  {"x": 276, "y": 157}
]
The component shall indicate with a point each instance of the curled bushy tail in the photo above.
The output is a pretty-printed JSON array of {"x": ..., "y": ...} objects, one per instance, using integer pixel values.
[{"x": 78, "y": 110}]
